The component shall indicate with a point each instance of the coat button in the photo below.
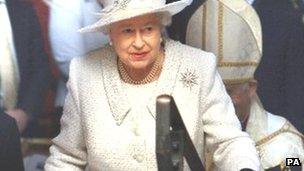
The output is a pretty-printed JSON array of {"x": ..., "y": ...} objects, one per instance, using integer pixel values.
[
  {"x": 139, "y": 158},
  {"x": 136, "y": 132}
]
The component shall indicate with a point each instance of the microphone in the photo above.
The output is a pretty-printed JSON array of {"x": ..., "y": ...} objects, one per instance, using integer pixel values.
[{"x": 172, "y": 138}]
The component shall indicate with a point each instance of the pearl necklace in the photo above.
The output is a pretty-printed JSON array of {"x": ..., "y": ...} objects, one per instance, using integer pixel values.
[{"x": 154, "y": 72}]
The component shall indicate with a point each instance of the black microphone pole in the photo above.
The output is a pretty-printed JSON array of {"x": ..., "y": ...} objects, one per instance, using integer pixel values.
[{"x": 172, "y": 138}]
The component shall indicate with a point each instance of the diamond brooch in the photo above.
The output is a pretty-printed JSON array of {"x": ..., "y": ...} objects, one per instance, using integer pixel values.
[{"x": 189, "y": 79}]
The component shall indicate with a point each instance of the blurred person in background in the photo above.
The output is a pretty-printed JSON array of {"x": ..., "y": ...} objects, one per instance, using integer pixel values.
[
  {"x": 24, "y": 69},
  {"x": 231, "y": 30},
  {"x": 10, "y": 150},
  {"x": 66, "y": 19}
]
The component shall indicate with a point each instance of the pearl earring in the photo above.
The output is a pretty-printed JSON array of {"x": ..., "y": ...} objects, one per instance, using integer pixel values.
[{"x": 110, "y": 43}]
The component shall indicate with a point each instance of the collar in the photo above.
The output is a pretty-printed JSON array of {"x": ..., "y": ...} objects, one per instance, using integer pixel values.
[
  {"x": 2, "y": 1},
  {"x": 257, "y": 125},
  {"x": 116, "y": 96}
]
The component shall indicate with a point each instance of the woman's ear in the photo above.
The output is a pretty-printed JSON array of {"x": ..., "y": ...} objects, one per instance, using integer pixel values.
[{"x": 110, "y": 40}]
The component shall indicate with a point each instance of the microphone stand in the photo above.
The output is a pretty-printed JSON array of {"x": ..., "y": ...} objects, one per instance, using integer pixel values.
[{"x": 172, "y": 138}]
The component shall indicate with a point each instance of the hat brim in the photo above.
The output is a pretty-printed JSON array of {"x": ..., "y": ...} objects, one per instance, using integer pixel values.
[{"x": 101, "y": 25}]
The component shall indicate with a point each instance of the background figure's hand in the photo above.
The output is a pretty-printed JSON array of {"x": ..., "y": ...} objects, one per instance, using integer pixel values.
[{"x": 21, "y": 118}]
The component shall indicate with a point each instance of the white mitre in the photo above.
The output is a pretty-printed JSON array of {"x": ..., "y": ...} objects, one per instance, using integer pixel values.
[{"x": 232, "y": 31}]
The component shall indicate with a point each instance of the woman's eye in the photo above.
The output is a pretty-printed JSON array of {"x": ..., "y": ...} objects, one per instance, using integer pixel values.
[
  {"x": 149, "y": 28},
  {"x": 128, "y": 30}
]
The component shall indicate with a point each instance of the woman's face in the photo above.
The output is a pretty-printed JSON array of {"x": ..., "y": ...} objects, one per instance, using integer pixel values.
[{"x": 137, "y": 40}]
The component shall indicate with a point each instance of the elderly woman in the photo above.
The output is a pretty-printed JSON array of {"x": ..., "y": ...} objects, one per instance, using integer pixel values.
[{"x": 109, "y": 114}]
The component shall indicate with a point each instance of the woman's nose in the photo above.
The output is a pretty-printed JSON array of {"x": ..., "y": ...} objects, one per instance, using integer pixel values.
[{"x": 138, "y": 42}]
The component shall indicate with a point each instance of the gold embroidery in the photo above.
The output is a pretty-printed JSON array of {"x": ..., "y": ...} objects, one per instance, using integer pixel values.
[
  {"x": 236, "y": 81},
  {"x": 283, "y": 167},
  {"x": 204, "y": 24},
  {"x": 285, "y": 128},
  {"x": 220, "y": 31},
  {"x": 237, "y": 64}
]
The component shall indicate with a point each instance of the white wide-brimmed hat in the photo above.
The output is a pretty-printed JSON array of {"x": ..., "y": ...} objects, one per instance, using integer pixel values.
[
  {"x": 118, "y": 10},
  {"x": 231, "y": 30}
]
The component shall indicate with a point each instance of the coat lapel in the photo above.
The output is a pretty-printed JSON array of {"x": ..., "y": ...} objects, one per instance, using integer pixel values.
[
  {"x": 117, "y": 98},
  {"x": 168, "y": 77}
]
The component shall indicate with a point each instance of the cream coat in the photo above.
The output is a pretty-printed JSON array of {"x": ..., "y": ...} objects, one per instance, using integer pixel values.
[{"x": 97, "y": 129}]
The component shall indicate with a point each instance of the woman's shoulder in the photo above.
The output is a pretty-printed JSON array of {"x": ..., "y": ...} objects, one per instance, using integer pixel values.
[
  {"x": 86, "y": 66},
  {"x": 191, "y": 57},
  {"x": 93, "y": 57}
]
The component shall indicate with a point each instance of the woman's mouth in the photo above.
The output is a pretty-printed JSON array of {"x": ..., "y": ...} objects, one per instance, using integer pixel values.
[{"x": 139, "y": 56}]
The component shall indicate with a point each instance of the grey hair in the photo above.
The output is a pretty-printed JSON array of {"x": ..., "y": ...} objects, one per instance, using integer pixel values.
[{"x": 165, "y": 18}]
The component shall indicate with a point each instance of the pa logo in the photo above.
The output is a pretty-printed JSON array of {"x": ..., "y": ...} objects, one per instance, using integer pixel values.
[{"x": 293, "y": 162}]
